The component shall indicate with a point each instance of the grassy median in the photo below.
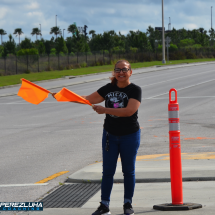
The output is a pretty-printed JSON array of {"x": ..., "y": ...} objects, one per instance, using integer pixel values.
[{"x": 15, "y": 79}]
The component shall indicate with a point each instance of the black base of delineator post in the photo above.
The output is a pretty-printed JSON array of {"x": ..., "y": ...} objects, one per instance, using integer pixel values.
[{"x": 171, "y": 207}]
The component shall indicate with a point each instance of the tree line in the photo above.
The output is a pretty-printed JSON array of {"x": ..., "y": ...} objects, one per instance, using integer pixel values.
[{"x": 109, "y": 41}]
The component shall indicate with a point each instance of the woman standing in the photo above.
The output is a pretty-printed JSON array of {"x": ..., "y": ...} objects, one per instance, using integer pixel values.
[{"x": 121, "y": 133}]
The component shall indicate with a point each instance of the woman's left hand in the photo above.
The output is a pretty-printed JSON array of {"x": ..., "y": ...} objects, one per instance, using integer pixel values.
[{"x": 99, "y": 109}]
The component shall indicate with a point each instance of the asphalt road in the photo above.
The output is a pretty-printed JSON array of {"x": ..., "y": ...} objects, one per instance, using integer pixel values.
[{"x": 39, "y": 141}]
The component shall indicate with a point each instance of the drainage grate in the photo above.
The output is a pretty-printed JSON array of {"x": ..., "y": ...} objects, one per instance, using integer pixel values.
[{"x": 71, "y": 196}]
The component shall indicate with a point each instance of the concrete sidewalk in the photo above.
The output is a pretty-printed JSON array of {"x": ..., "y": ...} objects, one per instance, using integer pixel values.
[
  {"x": 65, "y": 82},
  {"x": 150, "y": 172},
  {"x": 152, "y": 193}
]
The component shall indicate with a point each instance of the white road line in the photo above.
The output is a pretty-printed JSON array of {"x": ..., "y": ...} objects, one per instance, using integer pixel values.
[
  {"x": 181, "y": 89},
  {"x": 175, "y": 79},
  {"x": 22, "y": 185}
]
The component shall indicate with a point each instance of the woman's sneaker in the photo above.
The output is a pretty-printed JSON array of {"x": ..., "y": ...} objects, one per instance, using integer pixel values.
[
  {"x": 128, "y": 210},
  {"x": 102, "y": 210}
]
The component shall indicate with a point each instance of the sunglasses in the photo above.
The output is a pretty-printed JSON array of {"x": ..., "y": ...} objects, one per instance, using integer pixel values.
[{"x": 118, "y": 70}]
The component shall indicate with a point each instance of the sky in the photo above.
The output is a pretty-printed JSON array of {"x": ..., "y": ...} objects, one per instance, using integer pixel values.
[{"x": 102, "y": 15}]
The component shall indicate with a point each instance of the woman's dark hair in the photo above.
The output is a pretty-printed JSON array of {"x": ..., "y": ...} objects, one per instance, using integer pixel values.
[{"x": 113, "y": 79}]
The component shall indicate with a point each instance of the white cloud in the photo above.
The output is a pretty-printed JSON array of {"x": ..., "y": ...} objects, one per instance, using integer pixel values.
[
  {"x": 32, "y": 6},
  {"x": 191, "y": 26},
  {"x": 35, "y": 14},
  {"x": 3, "y": 12}
]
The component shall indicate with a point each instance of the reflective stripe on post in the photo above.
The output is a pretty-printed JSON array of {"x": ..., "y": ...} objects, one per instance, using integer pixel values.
[{"x": 175, "y": 150}]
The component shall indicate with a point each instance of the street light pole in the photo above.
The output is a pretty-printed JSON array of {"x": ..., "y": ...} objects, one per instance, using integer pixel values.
[
  {"x": 40, "y": 32},
  {"x": 56, "y": 20},
  {"x": 163, "y": 37},
  {"x": 211, "y": 18}
]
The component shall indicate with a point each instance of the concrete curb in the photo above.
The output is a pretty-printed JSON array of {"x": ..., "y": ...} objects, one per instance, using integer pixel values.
[
  {"x": 99, "y": 79},
  {"x": 143, "y": 180}
]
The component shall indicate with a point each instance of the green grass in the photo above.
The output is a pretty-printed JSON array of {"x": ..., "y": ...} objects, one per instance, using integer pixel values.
[{"x": 15, "y": 79}]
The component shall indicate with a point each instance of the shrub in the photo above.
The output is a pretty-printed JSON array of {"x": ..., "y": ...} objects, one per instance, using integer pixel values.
[
  {"x": 173, "y": 48},
  {"x": 77, "y": 65},
  {"x": 186, "y": 42},
  {"x": 133, "y": 49},
  {"x": 53, "y": 52},
  {"x": 100, "y": 61},
  {"x": 200, "y": 55},
  {"x": 197, "y": 46},
  {"x": 72, "y": 54},
  {"x": 84, "y": 64},
  {"x": 180, "y": 55},
  {"x": 159, "y": 49},
  {"x": 27, "y": 71},
  {"x": 69, "y": 66},
  {"x": 190, "y": 55},
  {"x": 118, "y": 49},
  {"x": 61, "y": 67},
  {"x": 61, "y": 54},
  {"x": 49, "y": 68},
  {"x": 24, "y": 52}
]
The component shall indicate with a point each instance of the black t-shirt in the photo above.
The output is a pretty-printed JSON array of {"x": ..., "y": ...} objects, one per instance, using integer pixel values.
[{"x": 116, "y": 97}]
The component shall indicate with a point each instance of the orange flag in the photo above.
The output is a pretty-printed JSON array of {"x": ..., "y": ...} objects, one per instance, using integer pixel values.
[
  {"x": 66, "y": 95},
  {"x": 32, "y": 93}
]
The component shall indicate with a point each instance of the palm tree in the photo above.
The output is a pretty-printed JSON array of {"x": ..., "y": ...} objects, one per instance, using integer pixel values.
[
  {"x": 36, "y": 31},
  {"x": 55, "y": 30},
  {"x": 72, "y": 29},
  {"x": 92, "y": 32},
  {"x": 2, "y": 32},
  {"x": 18, "y": 31}
]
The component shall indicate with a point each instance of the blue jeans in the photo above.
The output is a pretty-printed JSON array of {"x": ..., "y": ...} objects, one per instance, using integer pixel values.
[{"x": 127, "y": 147}]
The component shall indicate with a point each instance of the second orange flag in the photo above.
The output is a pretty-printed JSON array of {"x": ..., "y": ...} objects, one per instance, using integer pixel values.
[{"x": 66, "y": 95}]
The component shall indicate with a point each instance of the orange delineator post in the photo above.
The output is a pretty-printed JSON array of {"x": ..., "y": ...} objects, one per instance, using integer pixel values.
[{"x": 175, "y": 151}]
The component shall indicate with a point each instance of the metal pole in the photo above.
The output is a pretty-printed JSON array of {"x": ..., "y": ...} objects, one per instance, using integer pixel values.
[
  {"x": 163, "y": 37},
  {"x": 56, "y": 20},
  {"x": 211, "y": 18}
]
